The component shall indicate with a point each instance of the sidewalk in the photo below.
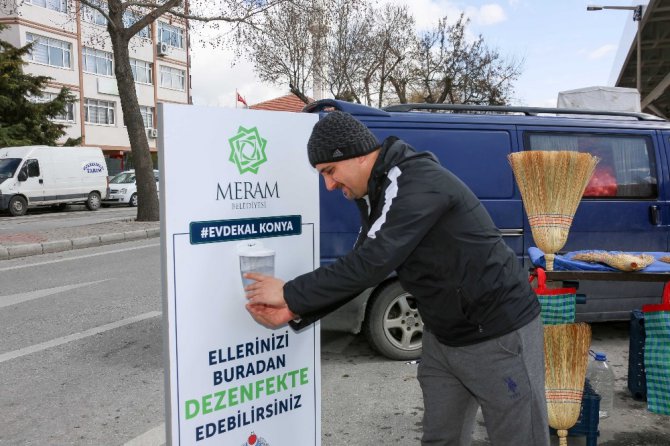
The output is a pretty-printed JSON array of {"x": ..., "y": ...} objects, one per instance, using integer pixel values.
[{"x": 22, "y": 244}]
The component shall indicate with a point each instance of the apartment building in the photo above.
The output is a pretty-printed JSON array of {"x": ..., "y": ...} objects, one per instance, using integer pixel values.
[{"x": 74, "y": 49}]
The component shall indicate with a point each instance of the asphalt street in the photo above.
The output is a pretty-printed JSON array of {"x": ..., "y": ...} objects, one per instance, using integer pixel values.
[{"x": 80, "y": 351}]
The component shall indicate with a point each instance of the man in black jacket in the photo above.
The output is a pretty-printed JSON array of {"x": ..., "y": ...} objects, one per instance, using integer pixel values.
[{"x": 483, "y": 340}]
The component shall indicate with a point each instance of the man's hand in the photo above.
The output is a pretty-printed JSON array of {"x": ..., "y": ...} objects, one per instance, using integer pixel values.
[
  {"x": 266, "y": 290},
  {"x": 270, "y": 317},
  {"x": 266, "y": 301}
]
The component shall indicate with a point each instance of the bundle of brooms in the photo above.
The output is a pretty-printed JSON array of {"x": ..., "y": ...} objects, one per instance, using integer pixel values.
[
  {"x": 566, "y": 348},
  {"x": 552, "y": 184}
]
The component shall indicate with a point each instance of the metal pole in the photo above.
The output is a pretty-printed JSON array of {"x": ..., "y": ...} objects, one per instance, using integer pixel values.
[
  {"x": 639, "y": 58},
  {"x": 637, "y": 17}
]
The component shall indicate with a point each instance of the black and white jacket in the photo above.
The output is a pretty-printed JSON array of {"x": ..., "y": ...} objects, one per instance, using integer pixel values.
[{"x": 425, "y": 224}]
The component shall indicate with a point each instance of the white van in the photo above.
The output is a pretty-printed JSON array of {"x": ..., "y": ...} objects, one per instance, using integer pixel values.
[
  {"x": 51, "y": 176},
  {"x": 122, "y": 189}
]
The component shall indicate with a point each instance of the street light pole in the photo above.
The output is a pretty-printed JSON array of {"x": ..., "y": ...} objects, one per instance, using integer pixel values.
[{"x": 637, "y": 17}]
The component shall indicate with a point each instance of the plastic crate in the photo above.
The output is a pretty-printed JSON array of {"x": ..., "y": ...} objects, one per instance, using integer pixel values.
[
  {"x": 587, "y": 423},
  {"x": 637, "y": 379}
]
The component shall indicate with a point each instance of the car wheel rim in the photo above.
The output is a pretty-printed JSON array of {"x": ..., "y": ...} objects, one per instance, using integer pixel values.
[
  {"x": 18, "y": 206},
  {"x": 403, "y": 326}
]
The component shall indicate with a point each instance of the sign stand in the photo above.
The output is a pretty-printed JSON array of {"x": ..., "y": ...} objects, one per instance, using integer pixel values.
[{"x": 237, "y": 194}]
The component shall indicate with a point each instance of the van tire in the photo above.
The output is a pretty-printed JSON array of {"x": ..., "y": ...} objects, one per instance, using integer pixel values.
[
  {"x": 18, "y": 206},
  {"x": 93, "y": 201},
  {"x": 392, "y": 323},
  {"x": 133, "y": 200}
]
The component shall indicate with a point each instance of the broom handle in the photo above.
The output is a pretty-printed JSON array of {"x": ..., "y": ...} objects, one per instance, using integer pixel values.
[
  {"x": 562, "y": 437},
  {"x": 549, "y": 260}
]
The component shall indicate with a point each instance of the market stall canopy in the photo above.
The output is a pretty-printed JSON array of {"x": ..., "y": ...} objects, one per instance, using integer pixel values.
[{"x": 655, "y": 43}]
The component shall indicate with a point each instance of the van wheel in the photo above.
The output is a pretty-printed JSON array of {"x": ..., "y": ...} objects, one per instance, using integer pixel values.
[
  {"x": 18, "y": 206},
  {"x": 392, "y": 324},
  {"x": 93, "y": 201},
  {"x": 133, "y": 201}
]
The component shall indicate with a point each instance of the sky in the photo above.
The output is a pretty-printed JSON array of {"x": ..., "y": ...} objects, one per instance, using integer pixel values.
[{"x": 563, "y": 47}]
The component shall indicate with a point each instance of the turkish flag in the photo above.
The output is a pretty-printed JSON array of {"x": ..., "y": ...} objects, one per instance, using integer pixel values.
[{"x": 241, "y": 99}]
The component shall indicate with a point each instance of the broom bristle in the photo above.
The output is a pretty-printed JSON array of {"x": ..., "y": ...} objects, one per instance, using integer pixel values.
[
  {"x": 566, "y": 349},
  {"x": 552, "y": 184}
]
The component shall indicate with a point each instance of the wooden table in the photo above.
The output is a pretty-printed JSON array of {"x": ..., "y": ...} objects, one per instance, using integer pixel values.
[{"x": 612, "y": 276}]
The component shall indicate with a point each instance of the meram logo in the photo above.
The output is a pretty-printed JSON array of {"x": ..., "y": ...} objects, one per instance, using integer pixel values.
[{"x": 247, "y": 150}]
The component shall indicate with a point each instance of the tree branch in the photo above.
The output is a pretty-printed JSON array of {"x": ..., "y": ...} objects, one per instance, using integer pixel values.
[
  {"x": 151, "y": 16},
  {"x": 221, "y": 18},
  {"x": 101, "y": 10}
]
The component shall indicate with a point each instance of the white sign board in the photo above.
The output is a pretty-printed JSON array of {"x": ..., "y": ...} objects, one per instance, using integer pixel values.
[{"x": 237, "y": 192}]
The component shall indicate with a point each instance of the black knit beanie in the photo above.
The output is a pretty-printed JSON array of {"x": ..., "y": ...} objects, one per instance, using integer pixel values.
[{"x": 339, "y": 136}]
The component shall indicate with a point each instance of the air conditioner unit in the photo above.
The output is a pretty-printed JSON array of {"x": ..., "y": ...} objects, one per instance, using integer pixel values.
[
  {"x": 152, "y": 133},
  {"x": 162, "y": 48}
]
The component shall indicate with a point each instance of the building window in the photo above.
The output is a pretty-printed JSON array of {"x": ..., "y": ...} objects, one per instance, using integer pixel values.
[
  {"x": 129, "y": 19},
  {"x": 97, "y": 61},
  {"x": 92, "y": 15},
  {"x": 99, "y": 112},
  {"x": 68, "y": 113},
  {"x": 171, "y": 35},
  {"x": 172, "y": 78},
  {"x": 142, "y": 71},
  {"x": 46, "y": 50},
  {"x": 147, "y": 116},
  {"x": 54, "y": 5}
]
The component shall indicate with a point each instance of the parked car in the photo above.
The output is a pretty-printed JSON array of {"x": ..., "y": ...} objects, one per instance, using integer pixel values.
[
  {"x": 51, "y": 176},
  {"x": 123, "y": 189},
  {"x": 474, "y": 142}
]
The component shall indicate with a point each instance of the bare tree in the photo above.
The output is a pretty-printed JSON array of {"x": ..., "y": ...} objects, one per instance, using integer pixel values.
[
  {"x": 451, "y": 69},
  {"x": 282, "y": 46},
  {"x": 234, "y": 14},
  {"x": 349, "y": 48},
  {"x": 394, "y": 38},
  {"x": 372, "y": 55},
  {"x": 367, "y": 45}
]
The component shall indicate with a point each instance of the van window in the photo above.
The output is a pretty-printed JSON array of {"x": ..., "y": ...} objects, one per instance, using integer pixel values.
[
  {"x": 123, "y": 178},
  {"x": 33, "y": 168},
  {"x": 8, "y": 167},
  {"x": 627, "y": 167}
]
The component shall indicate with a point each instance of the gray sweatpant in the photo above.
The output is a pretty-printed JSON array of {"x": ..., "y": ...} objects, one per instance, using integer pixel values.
[{"x": 505, "y": 376}]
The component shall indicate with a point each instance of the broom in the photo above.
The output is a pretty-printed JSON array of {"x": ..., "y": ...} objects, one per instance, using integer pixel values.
[
  {"x": 552, "y": 184},
  {"x": 566, "y": 348}
]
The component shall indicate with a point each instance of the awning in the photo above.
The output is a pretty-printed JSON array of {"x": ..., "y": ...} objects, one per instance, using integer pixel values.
[{"x": 655, "y": 43}]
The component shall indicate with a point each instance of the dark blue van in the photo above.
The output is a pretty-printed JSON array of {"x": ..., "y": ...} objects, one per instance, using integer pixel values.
[{"x": 625, "y": 206}]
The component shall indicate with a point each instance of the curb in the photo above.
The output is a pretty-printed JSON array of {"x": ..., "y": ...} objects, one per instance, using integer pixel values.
[{"x": 31, "y": 249}]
